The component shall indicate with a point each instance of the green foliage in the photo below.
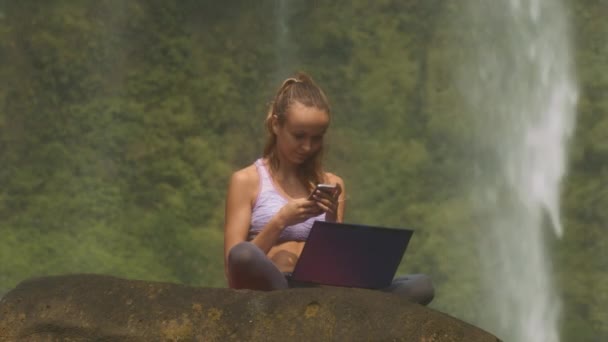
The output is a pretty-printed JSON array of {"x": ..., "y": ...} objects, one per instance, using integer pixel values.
[{"x": 120, "y": 123}]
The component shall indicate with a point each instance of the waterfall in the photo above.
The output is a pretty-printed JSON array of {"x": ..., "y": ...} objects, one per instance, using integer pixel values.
[
  {"x": 283, "y": 47},
  {"x": 521, "y": 93}
]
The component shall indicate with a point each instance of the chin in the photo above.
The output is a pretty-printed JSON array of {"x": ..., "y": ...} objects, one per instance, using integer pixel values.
[
  {"x": 299, "y": 162},
  {"x": 302, "y": 160},
  {"x": 297, "y": 159}
]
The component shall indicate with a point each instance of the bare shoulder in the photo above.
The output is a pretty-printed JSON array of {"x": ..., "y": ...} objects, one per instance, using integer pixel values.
[
  {"x": 245, "y": 175},
  {"x": 334, "y": 179},
  {"x": 245, "y": 180}
]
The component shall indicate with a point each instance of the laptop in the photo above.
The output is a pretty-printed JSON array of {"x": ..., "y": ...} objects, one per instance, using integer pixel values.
[{"x": 351, "y": 255}]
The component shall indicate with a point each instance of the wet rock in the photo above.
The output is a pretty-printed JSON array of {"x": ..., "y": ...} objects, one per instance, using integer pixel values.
[{"x": 103, "y": 308}]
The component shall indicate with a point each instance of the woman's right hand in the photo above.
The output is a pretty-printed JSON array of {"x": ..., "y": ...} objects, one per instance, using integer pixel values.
[{"x": 297, "y": 211}]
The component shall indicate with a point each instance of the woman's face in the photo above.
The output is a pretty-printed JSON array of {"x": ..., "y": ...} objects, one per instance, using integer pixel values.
[{"x": 301, "y": 134}]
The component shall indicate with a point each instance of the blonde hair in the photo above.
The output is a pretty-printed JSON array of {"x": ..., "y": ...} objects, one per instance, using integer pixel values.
[{"x": 300, "y": 88}]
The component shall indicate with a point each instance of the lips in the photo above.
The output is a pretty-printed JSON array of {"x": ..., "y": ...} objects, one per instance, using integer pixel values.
[{"x": 301, "y": 156}]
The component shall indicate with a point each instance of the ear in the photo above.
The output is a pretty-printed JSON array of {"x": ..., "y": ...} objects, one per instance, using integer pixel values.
[{"x": 275, "y": 124}]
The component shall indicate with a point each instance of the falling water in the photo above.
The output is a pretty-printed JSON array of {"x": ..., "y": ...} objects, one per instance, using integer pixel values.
[
  {"x": 283, "y": 46},
  {"x": 520, "y": 88}
]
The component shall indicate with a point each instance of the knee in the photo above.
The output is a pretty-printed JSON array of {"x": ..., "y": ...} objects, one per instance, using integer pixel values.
[
  {"x": 242, "y": 255},
  {"x": 417, "y": 287},
  {"x": 426, "y": 290}
]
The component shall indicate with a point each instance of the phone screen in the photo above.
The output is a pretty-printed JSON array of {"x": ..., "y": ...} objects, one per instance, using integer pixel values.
[{"x": 329, "y": 188}]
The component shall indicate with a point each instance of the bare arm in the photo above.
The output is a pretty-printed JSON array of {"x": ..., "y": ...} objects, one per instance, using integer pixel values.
[
  {"x": 242, "y": 190},
  {"x": 341, "y": 200},
  {"x": 237, "y": 215}
]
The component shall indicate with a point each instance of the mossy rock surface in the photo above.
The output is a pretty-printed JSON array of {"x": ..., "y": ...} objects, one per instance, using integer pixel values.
[{"x": 85, "y": 307}]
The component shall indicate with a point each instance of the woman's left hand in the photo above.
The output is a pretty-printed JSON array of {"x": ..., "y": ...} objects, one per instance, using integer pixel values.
[{"x": 328, "y": 202}]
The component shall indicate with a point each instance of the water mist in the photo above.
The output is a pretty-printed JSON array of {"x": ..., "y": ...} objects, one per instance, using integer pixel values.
[
  {"x": 519, "y": 86},
  {"x": 284, "y": 46}
]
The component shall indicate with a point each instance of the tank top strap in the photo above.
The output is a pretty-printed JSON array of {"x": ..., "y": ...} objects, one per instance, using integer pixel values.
[{"x": 264, "y": 175}]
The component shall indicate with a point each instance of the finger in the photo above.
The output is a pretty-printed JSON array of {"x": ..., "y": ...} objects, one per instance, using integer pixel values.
[
  {"x": 328, "y": 208},
  {"x": 328, "y": 196},
  {"x": 312, "y": 204},
  {"x": 310, "y": 207},
  {"x": 338, "y": 190},
  {"x": 323, "y": 196},
  {"x": 309, "y": 210},
  {"x": 312, "y": 213},
  {"x": 328, "y": 201},
  {"x": 333, "y": 196}
]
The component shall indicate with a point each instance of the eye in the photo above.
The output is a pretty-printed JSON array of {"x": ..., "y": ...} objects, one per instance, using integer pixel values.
[
  {"x": 299, "y": 136},
  {"x": 317, "y": 138}
]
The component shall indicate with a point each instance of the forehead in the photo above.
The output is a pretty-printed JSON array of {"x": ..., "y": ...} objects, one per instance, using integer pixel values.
[{"x": 303, "y": 117}]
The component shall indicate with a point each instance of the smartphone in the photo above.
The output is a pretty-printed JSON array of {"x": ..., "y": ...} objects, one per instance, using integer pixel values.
[{"x": 328, "y": 188}]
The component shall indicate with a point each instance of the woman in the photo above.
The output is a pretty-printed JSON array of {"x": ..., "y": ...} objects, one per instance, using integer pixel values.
[{"x": 268, "y": 210}]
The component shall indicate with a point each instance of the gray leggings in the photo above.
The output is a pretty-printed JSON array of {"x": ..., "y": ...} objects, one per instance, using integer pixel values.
[{"x": 249, "y": 268}]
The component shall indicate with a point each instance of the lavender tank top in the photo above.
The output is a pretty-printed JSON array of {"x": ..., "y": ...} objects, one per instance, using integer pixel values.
[{"x": 268, "y": 203}]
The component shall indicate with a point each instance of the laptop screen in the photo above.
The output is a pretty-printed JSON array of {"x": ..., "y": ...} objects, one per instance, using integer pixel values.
[{"x": 350, "y": 255}]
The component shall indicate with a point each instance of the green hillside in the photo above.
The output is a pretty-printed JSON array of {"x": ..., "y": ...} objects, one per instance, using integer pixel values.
[{"x": 121, "y": 122}]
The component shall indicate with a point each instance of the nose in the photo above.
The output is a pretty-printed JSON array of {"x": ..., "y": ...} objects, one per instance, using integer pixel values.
[{"x": 306, "y": 145}]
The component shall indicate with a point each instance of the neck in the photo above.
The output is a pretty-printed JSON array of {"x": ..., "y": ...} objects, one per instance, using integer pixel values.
[{"x": 286, "y": 172}]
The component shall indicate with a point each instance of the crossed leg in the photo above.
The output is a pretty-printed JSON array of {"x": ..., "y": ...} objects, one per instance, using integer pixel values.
[
  {"x": 416, "y": 287},
  {"x": 250, "y": 268}
]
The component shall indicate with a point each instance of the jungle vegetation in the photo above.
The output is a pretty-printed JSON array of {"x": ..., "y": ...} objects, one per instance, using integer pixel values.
[{"x": 121, "y": 122}]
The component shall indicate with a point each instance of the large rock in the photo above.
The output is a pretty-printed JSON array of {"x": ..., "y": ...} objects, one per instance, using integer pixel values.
[{"x": 103, "y": 308}]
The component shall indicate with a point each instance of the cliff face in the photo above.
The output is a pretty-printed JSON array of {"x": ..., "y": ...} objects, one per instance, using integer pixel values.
[{"x": 86, "y": 307}]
